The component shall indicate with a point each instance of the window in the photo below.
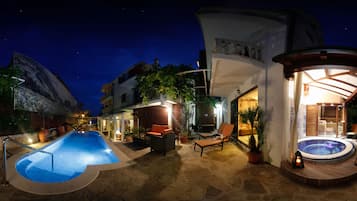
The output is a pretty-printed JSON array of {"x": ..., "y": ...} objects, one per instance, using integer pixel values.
[{"x": 123, "y": 98}]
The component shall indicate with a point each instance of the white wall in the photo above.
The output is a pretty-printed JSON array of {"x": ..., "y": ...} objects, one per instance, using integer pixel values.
[
  {"x": 276, "y": 99},
  {"x": 272, "y": 96},
  {"x": 123, "y": 88},
  {"x": 272, "y": 85},
  {"x": 235, "y": 26}
]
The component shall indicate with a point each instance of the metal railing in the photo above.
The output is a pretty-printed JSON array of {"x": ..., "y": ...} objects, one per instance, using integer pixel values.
[
  {"x": 235, "y": 47},
  {"x": 5, "y": 140}
]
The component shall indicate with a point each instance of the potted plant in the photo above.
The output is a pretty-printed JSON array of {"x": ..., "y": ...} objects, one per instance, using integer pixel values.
[
  {"x": 128, "y": 135},
  {"x": 255, "y": 118},
  {"x": 42, "y": 135},
  {"x": 183, "y": 135}
]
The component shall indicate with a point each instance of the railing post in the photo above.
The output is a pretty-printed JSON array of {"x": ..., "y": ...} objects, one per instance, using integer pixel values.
[{"x": 4, "y": 180}]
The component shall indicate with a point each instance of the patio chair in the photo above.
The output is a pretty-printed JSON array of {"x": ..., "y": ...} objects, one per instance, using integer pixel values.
[
  {"x": 224, "y": 137},
  {"x": 163, "y": 143},
  {"x": 213, "y": 133}
]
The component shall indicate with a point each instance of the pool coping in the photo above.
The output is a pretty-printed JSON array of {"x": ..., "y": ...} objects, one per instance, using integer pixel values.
[
  {"x": 346, "y": 151},
  {"x": 83, "y": 180}
]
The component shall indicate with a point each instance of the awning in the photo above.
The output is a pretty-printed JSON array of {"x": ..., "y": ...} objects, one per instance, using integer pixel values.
[
  {"x": 331, "y": 69},
  {"x": 338, "y": 81}
]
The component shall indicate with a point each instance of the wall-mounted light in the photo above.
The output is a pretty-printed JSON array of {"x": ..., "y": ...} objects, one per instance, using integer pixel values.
[{"x": 238, "y": 91}]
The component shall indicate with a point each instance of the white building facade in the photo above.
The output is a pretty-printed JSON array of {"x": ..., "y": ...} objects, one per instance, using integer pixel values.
[
  {"x": 119, "y": 97},
  {"x": 240, "y": 45}
]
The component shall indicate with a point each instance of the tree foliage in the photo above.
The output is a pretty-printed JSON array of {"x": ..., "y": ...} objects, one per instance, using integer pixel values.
[
  {"x": 255, "y": 118},
  {"x": 8, "y": 83},
  {"x": 166, "y": 81}
]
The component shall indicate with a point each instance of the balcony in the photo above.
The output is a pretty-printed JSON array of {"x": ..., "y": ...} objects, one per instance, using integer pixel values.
[
  {"x": 105, "y": 99},
  {"x": 232, "y": 64},
  {"x": 107, "y": 110},
  {"x": 234, "y": 47}
]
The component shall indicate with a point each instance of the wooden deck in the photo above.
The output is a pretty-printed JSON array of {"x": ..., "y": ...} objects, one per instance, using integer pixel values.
[{"x": 323, "y": 174}]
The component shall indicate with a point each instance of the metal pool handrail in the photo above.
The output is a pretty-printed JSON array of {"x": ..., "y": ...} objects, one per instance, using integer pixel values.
[{"x": 5, "y": 140}]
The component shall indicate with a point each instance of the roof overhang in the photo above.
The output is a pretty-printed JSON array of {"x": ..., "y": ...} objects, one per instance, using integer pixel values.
[
  {"x": 230, "y": 71},
  {"x": 330, "y": 69}
]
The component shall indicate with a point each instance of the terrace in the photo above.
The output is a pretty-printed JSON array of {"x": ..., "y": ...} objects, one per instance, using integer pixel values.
[{"x": 184, "y": 175}]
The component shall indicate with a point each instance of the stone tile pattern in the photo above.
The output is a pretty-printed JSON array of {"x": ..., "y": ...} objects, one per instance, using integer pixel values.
[{"x": 184, "y": 175}]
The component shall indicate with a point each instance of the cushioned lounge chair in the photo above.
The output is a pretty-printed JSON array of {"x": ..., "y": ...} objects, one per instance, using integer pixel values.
[
  {"x": 212, "y": 134},
  {"x": 162, "y": 138},
  {"x": 224, "y": 137}
]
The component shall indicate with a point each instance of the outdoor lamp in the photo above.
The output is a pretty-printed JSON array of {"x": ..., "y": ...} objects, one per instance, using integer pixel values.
[{"x": 298, "y": 162}]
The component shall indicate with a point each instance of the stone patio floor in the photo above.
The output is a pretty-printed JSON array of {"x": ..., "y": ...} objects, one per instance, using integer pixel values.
[{"x": 183, "y": 175}]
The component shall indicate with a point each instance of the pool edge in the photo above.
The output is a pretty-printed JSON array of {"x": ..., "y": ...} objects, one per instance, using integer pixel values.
[{"x": 83, "y": 180}]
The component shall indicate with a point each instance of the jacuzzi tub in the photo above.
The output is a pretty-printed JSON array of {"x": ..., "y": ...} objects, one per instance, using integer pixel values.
[{"x": 325, "y": 148}]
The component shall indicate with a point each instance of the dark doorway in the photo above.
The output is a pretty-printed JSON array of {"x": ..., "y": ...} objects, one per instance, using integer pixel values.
[{"x": 234, "y": 116}]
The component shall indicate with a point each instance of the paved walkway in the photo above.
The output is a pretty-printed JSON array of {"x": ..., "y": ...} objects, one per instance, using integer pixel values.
[{"x": 183, "y": 175}]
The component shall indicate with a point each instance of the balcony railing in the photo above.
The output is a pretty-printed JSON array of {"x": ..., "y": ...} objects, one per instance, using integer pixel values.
[
  {"x": 106, "y": 98},
  {"x": 107, "y": 110},
  {"x": 234, "y": 47}
]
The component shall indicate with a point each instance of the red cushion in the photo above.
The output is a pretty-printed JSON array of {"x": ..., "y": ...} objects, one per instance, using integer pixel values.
[
  {"x": 158, "y": 128},
  {"x": 153, "y": 133}
]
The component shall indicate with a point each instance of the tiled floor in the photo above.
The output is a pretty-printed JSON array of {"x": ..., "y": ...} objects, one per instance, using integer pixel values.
[{"x": 184, "y": 175}]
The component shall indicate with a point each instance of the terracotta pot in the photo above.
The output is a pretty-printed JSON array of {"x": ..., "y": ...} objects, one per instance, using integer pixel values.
[
  {"x": 354, "y": 128},
  {"x": 61, "y": 130},
  {"x": 42, "y": 135},
  {"x": 129, "y": 138},
  {"x": 183, "y": 139},
  {"x": 255, "y": 157},
  {"x": 69, "y": 128}
]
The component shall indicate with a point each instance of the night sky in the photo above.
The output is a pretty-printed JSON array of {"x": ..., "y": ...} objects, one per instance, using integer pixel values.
[{"x": 88, "y": 43}]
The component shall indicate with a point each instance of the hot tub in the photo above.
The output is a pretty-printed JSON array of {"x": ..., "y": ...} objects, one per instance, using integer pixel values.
[{"x": 325, "y": 148}]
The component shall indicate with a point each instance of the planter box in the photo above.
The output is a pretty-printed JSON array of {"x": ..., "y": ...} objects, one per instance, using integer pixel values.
[{"x": 255, "y": 157}]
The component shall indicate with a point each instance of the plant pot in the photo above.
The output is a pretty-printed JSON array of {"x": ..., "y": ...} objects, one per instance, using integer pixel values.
[
  {"x": 129, "y": 138},
  {"x": 183, "y": 139},
  {"x": 42, "y": 135},
  {"x": 354, "y": 128},
  {"x": 61, "y": 130},
  {"x": 68, "y": 128},
  {"x": 255, "y": 157}
]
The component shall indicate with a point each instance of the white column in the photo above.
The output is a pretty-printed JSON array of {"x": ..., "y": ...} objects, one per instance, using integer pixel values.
[
  {"x": 122, "y": 126},
  {"x": 169, "y": 114}
]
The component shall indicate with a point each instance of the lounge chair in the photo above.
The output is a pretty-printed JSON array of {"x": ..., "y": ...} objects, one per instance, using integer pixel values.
[
  {"x": 213, "y": 133},
  {"x": 224, "y": 137}
]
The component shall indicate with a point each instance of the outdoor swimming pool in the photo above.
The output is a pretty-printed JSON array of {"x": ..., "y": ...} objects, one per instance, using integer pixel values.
[
  {"x": 325, "y": 148},
  {"x": 71, "y": 156}
]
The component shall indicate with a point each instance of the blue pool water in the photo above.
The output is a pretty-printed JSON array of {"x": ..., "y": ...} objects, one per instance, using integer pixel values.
[
  {"x": 321, "y": 147},
  {"x": 71, "y": 155}
]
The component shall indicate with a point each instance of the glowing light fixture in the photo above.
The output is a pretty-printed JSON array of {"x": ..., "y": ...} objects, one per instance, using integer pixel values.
[
  {"x": 298, "y": 161},
  {"x": 29, "y": 140}
]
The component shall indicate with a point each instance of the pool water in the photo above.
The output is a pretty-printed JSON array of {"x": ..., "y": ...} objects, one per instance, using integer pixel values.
[
  {"x": 325, "y": 148},
  {"x": 322, "y": 147},
  {"x": 71, "y": 155}
]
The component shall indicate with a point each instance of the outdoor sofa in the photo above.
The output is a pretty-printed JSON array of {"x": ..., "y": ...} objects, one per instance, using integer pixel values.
[{"x": 162, "y": 138}]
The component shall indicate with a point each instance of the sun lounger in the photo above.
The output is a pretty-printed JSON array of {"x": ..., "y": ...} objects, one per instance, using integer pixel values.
[
  {"x": 212, "y": 134},
  {"x": 224, "y": 137}
]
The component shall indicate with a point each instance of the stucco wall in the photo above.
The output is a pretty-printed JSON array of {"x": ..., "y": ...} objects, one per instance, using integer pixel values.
[
  {"x": 123, "y": 88},
  {"x": 232, "y": 25},
  {"x": 272, "y": 96}
]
